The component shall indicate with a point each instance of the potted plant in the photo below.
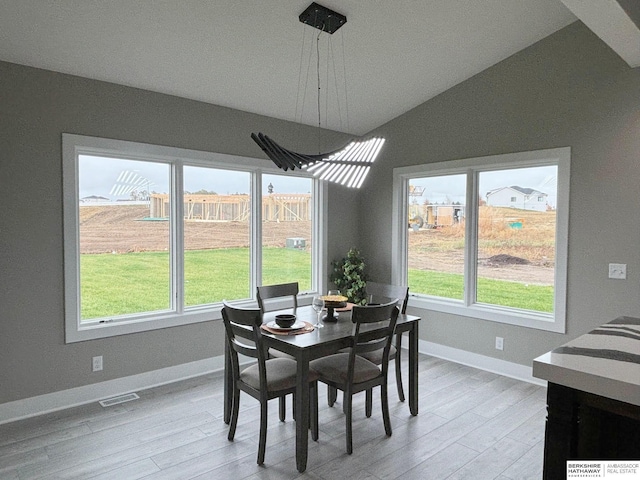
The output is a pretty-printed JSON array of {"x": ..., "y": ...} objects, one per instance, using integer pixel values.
[{"x": 348, "y": 275}]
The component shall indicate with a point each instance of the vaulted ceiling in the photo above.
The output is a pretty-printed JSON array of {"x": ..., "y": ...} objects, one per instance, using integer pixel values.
[{"x": 255, "y": 56}]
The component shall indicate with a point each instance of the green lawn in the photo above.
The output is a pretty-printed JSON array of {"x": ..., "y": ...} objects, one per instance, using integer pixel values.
[
  {"x": 496, "y": 292},
  {"x": 210, "y": 276},
  {"x": 139, "y": 282}
]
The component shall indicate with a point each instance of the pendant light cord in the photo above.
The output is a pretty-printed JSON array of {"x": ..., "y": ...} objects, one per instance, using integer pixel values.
[
  {"x": 346, "y": 87},
  {"x": 318, "y": 78},
  {"x": 343, "y": 117}
]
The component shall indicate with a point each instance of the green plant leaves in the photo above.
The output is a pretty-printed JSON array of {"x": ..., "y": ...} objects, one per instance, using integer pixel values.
[{"x": 349, "y": 277}]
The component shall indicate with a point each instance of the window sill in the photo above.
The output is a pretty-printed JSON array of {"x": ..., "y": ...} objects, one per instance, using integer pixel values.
[
  {"x": 492, "y": 313},
  {"x": 95, "y": 330},
  {"x": 105, "y": 329}
]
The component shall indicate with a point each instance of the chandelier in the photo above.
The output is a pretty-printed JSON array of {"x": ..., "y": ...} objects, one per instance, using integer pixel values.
[{"x": 347, "y": 166}]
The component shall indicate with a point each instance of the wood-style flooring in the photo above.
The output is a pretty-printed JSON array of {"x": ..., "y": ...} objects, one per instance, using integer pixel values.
[{"x": 472, "y": 425}]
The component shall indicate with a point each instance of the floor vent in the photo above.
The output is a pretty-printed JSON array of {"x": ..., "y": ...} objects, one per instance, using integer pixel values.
[{"x": 127, "y": 397}]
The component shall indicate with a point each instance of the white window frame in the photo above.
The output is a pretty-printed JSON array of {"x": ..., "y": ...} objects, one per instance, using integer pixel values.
[
  {"x": 75, "y": 145},
  {"x": 561, "y": 157}
]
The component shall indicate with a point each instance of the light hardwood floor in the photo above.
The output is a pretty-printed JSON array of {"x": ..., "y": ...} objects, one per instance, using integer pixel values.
[{"x": 472, "y": 425}]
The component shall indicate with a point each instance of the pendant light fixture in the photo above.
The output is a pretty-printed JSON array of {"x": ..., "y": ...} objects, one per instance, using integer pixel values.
[{"x": 347, "y": 166}]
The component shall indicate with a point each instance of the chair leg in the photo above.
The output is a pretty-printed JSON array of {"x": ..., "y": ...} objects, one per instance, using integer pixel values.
[
  {"x": 385, "y": 409},
  {"x": 293, "y": 407},
  {"x": 398, "y": 369},
  {"x": 233, "y": 423},
  {"x": 262, "y": 445},
  {"x": 332, "y": 395},
  {"x": 313, "y": 392},
  {"x": 283, "y": 408},
  {"x": 368, "y": 406},
  {"x": 348, "y": 419}
]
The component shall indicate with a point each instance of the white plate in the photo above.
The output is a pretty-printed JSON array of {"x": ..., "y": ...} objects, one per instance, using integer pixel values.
[{"x": 295, "y": 326}]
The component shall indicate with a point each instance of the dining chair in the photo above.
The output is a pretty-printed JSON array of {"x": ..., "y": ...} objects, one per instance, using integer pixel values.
[
  {"x": 382, "y": 293},
  {"x": 264, "y": 379},
  {"x": 277, "y": 297},
  {"x": 279, "y": 292},
  {"x": 350, "y": 372}
]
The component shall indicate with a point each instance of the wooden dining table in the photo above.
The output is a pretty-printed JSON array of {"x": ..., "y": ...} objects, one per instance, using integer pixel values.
[{"x": 316, "y": 344}]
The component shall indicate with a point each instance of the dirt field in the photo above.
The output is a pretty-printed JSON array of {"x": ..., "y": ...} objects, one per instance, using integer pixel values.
[
  {"x": 121, "y": 229},
  {"x": 506, "y": 253},
  {"x": 453, "y": 262}
]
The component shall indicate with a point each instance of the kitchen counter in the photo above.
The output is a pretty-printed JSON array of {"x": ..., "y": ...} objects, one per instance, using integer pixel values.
[
  {"x": 593, "y": 397},
  {"x": 605, "y": 361}
]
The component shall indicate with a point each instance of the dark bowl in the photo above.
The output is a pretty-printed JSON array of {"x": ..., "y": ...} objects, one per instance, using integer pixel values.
[{"x": 285, "y": 320}]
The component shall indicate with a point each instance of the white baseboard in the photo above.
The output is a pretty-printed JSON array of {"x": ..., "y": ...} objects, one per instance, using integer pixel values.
[
  {"x": 51, "y": 402},
  {"x": 490, "y": 364}
]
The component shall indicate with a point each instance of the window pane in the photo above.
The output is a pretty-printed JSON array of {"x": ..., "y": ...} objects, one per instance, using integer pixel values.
[
  {"x": 217, "y": 215},
  {"x": 436, "y": 237},
  {"x": 516, "y": 238},
  {"x": 287, "y": 230},
  {"x": 124, "y": 243}
]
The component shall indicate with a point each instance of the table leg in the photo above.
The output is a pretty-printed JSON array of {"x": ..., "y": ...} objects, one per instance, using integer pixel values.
[
  {"x": 228, "y": 398},
  {"x": 302, "y": 411},
  {"x": 413, "y": 369}
]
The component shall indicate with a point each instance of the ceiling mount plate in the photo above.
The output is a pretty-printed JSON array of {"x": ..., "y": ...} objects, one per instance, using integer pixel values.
[{"x": 322, "y": 18}]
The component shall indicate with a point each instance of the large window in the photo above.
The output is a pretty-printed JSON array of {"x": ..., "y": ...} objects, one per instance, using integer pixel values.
[
  {"x": 158, "y": 236},
  {"x": 486, "y": 237},
  {"x": 287, "y": 238}
]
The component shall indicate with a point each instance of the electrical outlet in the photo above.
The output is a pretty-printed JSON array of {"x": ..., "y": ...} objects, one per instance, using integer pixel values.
[
  {"x": 96, "y": 363},
  {"x": 499, "y": 343},
  {"x": 618, "y": 271}
]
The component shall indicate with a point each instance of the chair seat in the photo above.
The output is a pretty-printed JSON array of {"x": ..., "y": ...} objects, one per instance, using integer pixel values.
[
  {"x": 334, "y": 368},
  {"x": 376, "y": 355},
  {"x": 281, "y": 375}
]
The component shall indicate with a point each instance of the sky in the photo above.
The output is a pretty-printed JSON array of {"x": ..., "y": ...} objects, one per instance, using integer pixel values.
[
  {"x": 451, "y": 188},
  {"x": 114, "y": 179}
]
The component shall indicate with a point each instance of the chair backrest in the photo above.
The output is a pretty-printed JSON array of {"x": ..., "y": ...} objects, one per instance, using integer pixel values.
[
  {"x": 367, "y": 337},
  {"x": 268, "y": 292},
  {"x": 383, "y": 292},
  {"x": 243, "y": 336}
]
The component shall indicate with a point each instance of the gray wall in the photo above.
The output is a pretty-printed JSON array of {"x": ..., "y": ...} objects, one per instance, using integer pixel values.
[
  {"x": 36, "y": 107},
  {"x": 571, "y": 90},
  {"x": 568, "y": 90}
]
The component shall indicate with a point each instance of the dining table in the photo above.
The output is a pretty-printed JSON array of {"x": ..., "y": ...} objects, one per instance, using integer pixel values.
[{"x": 317, "y": 343}]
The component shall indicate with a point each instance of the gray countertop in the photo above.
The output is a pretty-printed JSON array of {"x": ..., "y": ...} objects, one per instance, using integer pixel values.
[{"x": 605, "y": 361}]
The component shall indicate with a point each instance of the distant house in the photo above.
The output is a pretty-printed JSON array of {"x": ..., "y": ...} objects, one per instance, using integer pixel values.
[
  {"x": 518, "y": 197},
  {"x": 94, "y": 199}
]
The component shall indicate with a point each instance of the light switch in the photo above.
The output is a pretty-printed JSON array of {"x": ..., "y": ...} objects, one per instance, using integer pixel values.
[{"x": 618, "y": 271}]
